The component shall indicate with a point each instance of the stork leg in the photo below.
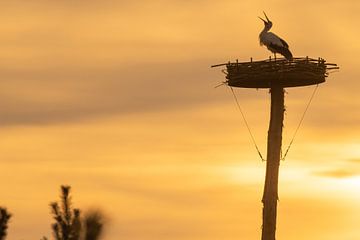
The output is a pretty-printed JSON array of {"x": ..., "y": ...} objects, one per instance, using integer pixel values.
[{"x": 275, "y": 56}]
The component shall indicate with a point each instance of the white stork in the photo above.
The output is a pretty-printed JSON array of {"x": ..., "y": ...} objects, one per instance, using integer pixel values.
[{"x": 274, "y": 43}]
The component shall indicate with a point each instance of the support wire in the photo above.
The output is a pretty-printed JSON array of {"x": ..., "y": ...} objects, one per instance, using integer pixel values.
[
  {"x": 301, "y": 120},
  {"x": 246, "y": 124}
]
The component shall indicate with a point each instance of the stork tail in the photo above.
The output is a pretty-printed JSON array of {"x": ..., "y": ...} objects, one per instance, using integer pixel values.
[
  {"x": 282, "y": 50},
  {"x": 287, "y": 54}
]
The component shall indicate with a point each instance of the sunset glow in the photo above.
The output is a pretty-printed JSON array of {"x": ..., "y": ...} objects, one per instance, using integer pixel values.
[{"x": 118, "y": 100}]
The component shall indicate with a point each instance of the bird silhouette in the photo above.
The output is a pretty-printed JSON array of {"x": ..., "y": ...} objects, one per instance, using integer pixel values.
[{"x": 273, "y": 42}]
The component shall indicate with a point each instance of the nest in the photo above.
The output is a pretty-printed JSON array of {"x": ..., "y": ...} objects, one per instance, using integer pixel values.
[{"x": 279, "y": 72}]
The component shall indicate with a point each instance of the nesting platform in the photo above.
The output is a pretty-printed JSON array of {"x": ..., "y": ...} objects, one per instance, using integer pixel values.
[{"x": 280, "y": 72}]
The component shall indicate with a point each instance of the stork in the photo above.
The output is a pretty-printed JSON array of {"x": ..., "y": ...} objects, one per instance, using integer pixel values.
[{"x": 274, "y": 43}]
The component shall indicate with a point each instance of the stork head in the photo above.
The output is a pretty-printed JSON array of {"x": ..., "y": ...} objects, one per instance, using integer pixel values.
[{"x": 267, "y": 22}]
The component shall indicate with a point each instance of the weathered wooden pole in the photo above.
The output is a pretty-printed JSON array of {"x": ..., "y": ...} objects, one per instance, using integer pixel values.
[{"x": 270, "y": 195}]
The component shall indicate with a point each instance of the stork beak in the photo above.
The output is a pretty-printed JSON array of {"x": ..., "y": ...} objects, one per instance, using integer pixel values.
[
  {"x": 263, "y": 20},
  {"x": 266, "y": 17}
]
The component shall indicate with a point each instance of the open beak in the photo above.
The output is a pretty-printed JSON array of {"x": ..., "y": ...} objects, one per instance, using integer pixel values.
[
  {"x": 263, "y": 20},
  {"x": 267, "y": 19}
]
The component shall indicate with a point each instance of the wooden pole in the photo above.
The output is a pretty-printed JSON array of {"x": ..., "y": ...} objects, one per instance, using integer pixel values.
[{"x": 270, "y": 196}]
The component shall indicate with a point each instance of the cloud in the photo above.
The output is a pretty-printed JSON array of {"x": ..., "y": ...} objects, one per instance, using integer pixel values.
[
  {"x": 50, "y": 96},
  {"x": 92, "y": 63},
  {"x": 338, "y": 173},
  {"x": 355, "y": 160},
  {"x": 349, "y": 169}
]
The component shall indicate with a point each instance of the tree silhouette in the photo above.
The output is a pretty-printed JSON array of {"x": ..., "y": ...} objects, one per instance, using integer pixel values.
[
  {"x": 4, "y": 219},
  {"x": 67, "y": 224},
  {"x": 94, "y": 224}
]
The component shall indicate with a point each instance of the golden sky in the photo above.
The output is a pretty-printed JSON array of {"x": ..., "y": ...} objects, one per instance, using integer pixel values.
[{"x": 117, "y": 99}]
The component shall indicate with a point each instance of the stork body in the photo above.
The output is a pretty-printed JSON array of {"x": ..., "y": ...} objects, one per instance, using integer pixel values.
[{"x": 273, "y": 42}]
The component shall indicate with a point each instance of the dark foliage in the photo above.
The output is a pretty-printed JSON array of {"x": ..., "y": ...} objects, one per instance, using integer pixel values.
[
  {"x": 94, "y": 224},
  {"x": 67, "y": 224},
  {"x": 4, "y": 220}
]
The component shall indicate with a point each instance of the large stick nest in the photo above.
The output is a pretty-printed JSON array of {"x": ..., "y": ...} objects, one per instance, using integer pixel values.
[{"x": 279, "y": 72}]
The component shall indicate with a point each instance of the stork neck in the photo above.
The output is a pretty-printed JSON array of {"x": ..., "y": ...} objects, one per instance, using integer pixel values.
[{"x": 266, "y": 29}]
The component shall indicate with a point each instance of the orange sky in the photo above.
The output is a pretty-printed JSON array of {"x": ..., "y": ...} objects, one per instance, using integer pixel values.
[{"x": 117, "y": 99}]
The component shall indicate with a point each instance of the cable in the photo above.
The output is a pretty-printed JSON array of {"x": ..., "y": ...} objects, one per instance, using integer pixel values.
[
  {"x": 246, "y": 124},
  {"x": 301, "y": 120}
]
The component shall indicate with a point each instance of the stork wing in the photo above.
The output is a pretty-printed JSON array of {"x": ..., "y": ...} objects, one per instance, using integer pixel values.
[
  {"x": 284, "y": 43},
  {"x": 274, "y": 39},
  {"x": 280, "y": 49}
]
